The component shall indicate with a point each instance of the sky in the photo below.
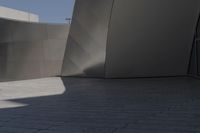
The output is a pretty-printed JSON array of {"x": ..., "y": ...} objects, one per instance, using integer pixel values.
[{"x": 53, "y": 11}]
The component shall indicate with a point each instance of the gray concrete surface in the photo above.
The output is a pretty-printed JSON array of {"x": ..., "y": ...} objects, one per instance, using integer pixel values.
[
  {"x": 31, "y": 50},
  {"x": 13, "y": 14},
  {"x": 165, "y": 105}
]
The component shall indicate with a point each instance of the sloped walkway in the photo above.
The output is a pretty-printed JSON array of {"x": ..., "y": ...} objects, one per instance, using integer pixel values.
[{"x": 77, "y": 105}]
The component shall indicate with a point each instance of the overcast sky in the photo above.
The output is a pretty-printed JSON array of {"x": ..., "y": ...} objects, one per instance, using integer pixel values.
[{"x": 54, "y": 11}]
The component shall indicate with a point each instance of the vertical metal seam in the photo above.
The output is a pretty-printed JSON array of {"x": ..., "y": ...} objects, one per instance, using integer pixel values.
[
  {"x": 197, "y": 57},
  {"x": 194, "y": 45},
  {"x": 108, "y": 31}
]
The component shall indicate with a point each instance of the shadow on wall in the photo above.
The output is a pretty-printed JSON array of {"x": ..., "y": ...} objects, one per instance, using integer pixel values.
[
  {"x": 130, "y": 38},
  {"x": 101, "y": 105}
]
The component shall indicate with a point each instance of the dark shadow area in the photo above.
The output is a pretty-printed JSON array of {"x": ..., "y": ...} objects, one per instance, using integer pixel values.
[{"x": 152, "y": 105}]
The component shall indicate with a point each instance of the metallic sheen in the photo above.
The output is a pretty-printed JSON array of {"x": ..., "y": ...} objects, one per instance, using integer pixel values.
[
  {"x": 86, "y": 47},
  {"x": 131, "y": 38}
]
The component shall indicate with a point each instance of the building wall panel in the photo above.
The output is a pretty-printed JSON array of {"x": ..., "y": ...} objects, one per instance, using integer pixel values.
[
  {"x": 150, "y": 38},
  {"x": 86, "y": 47}
]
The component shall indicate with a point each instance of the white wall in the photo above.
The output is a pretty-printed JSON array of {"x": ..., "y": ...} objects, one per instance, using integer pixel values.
[{"x": 9, "y": 13}]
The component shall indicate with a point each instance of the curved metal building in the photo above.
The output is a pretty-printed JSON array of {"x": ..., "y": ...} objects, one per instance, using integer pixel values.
[
  {"x": 107, "y": 39},
  {"x": 131, "y": 38}
]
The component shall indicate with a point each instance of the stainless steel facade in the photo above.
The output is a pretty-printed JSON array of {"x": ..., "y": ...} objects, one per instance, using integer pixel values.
[
  {"x": 138, "y": 38},
  {"x": 150, "y": 38},
  {"x": 194, "y": 68},
  {"x": 86, "y": 49},
  {"x": 31, "y": 50},
  {"x": 108, "y": 39}
]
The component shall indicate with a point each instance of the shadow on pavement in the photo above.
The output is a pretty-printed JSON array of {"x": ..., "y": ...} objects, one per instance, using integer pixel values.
[{"x": 163, "y": 105}]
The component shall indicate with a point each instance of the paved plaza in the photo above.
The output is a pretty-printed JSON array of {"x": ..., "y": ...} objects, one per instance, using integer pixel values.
[{"x": 78, "y": 105}]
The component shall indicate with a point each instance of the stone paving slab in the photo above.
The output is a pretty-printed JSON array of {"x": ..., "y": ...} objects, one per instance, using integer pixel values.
[{"x": 78, "y": 105}]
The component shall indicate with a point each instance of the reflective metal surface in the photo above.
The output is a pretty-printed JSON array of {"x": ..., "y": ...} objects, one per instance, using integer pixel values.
[
  {"x": 141, "y": 38},
  {"x": 194, "y": 68},
  {"x": 86, "y": 48},
  {"x": 150, "y": 38},
  {"x": 108, "y": 38},
  {"x": 31, "y": 50}
]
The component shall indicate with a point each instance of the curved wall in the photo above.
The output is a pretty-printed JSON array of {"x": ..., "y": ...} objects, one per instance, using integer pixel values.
[
  {"x": 108, "y": 38},
  {"x": 195, "y": 56},
  {"x": 86, "y": 47},
  {"x": 150, "y": 38},
  {"x": 130, "y": 38},
  {"x": 31, "y": 50}
]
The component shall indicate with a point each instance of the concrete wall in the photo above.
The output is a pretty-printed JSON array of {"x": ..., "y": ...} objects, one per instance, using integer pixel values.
[
  {"x": 9, "y": 13},
  {"x": 31, "y": 50},
  {"x": 86, "y": 49},
  {"x": 141, "y": 38}
]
